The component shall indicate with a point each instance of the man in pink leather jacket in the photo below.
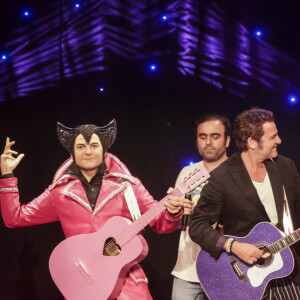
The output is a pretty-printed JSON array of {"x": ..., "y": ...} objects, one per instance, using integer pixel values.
[{"x": 86, "y": 191}]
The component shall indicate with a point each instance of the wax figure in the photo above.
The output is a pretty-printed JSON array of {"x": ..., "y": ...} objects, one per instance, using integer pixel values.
[
  {"x": 87, "y": 190},
  {"x": 213, "y": 137},
  {"x": 246, "y": 189}
]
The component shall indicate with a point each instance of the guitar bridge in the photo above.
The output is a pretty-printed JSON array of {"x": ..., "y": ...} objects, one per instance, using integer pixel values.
[
  {"x": 83, "y": 271},
  {"x": 237, "y": 270}
]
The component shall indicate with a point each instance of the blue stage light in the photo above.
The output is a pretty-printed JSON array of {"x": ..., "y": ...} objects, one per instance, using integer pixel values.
[
  {"x": 4, "y": 57},
  {"x": 293, "y": 99},
  {"x": 26, "y": 13},
  {"x": 152, "y": 67},
  {"x": 258, "y": 33},
  {"x": 101, "y": 89},
  {"x": 187, "y": 161},
  {"x": 77, "y": 5},
  {"x": 164, "y": 18}
]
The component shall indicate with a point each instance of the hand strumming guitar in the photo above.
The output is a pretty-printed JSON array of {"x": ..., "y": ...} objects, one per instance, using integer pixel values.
[{"x": 246, "y": 252}]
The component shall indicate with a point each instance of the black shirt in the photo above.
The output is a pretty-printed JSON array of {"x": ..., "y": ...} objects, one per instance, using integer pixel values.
[{"x": 92, "y": 188}]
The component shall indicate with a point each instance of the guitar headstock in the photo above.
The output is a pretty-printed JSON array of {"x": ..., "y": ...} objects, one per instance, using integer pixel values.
[{"x": 196, "y": 178}]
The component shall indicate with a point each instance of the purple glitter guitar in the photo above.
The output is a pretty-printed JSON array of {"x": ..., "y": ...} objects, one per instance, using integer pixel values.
[{"x": 230, "y": 278}]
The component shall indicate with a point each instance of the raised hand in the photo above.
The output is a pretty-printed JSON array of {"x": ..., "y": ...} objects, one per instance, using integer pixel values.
[{"x": 8, "y": 162}]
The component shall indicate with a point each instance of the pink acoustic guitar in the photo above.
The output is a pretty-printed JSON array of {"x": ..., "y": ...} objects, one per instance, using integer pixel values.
[{"x": 93, "y": 266}]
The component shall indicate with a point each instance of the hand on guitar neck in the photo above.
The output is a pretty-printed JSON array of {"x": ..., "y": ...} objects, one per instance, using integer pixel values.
[
  {"x": 174, "y": 205},
  {"x": 244, "y": 251}
]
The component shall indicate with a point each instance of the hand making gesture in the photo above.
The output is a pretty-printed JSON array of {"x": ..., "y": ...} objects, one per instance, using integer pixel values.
[{"x": 8, "y": 162}]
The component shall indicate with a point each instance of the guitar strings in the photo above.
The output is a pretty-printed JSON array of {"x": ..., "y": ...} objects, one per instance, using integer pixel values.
[
  {"x": 274, "y": 247},
  {"x": 122, "y": 238},
  {"x": 98, "y": 256},
  {"x": 244, "y": 266},
  {"x": 126, "y": 234}
]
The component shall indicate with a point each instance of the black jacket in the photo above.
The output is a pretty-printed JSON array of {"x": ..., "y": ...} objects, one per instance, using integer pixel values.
[{"x": 231, "y": 198}]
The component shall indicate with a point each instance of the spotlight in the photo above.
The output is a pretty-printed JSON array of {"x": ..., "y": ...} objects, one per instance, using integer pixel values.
[
  {"x": 152, "y": 67},
  {"x": 164, "y": 18},
  {"x": 293, "y": 99},
  {"x": 77, "y": 5},
  {"x": 258, "y": 33},
  {"x": 26, "y": 13},
  {"x": 101, "y": 89},
  {"x": 187, "y": 161},
  {"x": 4, "y": 57}
]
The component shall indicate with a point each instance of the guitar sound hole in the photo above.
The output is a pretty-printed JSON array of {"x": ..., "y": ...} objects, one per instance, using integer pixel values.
[
  {"x": 266, "y": 258},
  {"x": 111, "y": 248}
]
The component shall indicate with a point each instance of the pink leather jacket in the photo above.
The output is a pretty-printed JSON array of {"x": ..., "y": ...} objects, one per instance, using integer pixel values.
[{"x": 65, "y": 201}]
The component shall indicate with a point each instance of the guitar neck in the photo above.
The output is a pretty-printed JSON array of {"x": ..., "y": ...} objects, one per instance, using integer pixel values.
[
  {"x": 285, "y": 242},
  {"x": 138, "y": 225}
]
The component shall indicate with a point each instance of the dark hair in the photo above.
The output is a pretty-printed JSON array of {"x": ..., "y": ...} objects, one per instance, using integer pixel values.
[
  {"x": 250, "y": 124},
  {"x": 210, "y": 117}
]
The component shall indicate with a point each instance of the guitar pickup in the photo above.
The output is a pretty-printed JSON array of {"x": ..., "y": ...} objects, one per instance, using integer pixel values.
[
  {"x": 83, "y": 271},
  {"x": 237, "y": 270}
]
